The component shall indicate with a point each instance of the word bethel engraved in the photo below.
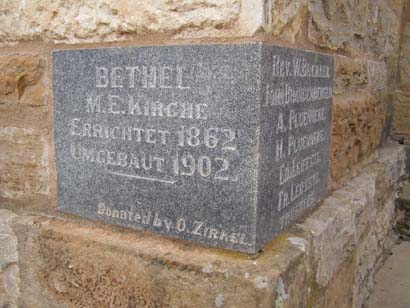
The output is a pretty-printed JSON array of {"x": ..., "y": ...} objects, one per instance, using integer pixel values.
[
  {"x": 140, "y": 76},
  {"x": 224, "y": 145}
]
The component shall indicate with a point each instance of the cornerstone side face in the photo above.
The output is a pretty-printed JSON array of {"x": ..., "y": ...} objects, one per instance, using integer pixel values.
[{"x": 178, "y": 139}]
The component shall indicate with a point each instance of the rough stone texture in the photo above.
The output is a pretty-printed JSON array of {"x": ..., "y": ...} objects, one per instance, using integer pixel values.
[
  {"x": 358, "y": 122},
  {"x": 351, "y": 75},
  {"x": 284, "y": 17},
  {"x": 403, "y": 221},
  {"x": 9, "y": 271},
  {"x": 328, "y": 260},
  {"x": 338, "y": 292},
  {"x": 355, "y": 25},
  {"x": 22, "y": 80},
  {"x": 378, "y": 76},
  {"x": 401, "y": 116},
  {"x": 107, "y": 20},
  {"x": 91, "y": 267},
  {"x": 24, "y": 126},
  {"x": 404, "y": 62},
  {"x": 23, "y": 162}
]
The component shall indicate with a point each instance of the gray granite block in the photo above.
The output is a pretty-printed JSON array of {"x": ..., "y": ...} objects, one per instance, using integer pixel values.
[{"x": 224, "y": 145}]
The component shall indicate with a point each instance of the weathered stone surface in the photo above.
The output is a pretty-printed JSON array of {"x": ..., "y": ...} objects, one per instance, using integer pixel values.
[
  {"x": 22, "y": 80},
  {"x": 111, "y": 20},
  {"x": 83, "y": 266},
  {"x": 401, "y": 114},
  {"x": 358, "y": 121},
  {"x": 225, "y": 147},
  {"x": 377, "y": 76},
  {"x": 353, "y": 75},
  {"x": 338, "y": 293},
  {"x": 404, "y": 198},
  {"x": 403, "y": 221},
  {"x": 332, "y": 230},
  {"x": 404, "y": 61},
  {"x": 355, "y": 25},
  {"x": 23, "y": 162},
  {"x": 355, "y": 220},
  {"x": 350, "y": 75},
  {"x": 371, "y": 252},
  {"x": 9, "y": 271},
  {"x": 359, "y": 194},
  {"x": 284, "y": 15},
  {"x": 395, "y": 161},
  {"x": 63, "y": 263}
]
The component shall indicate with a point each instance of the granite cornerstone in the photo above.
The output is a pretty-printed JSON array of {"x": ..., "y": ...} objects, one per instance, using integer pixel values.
[{"x": 221, "y": 144}]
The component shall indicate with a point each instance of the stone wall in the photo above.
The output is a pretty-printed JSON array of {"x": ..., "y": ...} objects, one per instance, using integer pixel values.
[
  {"x": 48, "y": 257},
  {"x": 401, "y": 115},
  {"x": 326, "y": 260}
]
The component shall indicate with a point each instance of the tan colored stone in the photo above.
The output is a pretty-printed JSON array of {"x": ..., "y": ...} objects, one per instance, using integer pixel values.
[
  {"x": 23, "y": 162},
  {"x": 394, "y": 160},
  {"x": 358, "y": 122},
  {"x": 350, "y": 75},
  {"x": 292, "y": 289},
  {"x": 383, "y": 22},
  {"x": 377, "y": 76},
  {"x": 280, "y": 15},
  {"x": 327, "y": 261},
  {"x": 22, "y": 80},
  {"x": 339, "y": 291},
  {"x": 83, "y": 266},
  {"x": 404, "y": 62},
  {"x": 359, "y": 194},
  {"x": 355, "y": 25},
  {"x": 332, "y": 230},
  {"x": 401, "y": 113},
  {"x": 337, "y": 24},
  {"x": 371, "y": 252},
  {"x": 107, "y": 20},
  {"x": 356, "y": 74},
  {"x": 9, "y": 271}
]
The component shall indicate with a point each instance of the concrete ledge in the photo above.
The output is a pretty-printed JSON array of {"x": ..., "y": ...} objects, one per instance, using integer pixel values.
[{"x": 327, "y": 260}]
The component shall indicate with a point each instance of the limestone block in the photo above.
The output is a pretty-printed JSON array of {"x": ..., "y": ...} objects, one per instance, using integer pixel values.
[
  {"x": 377, "y": 72},
  {"x": 76, "y": 265},
  {"x": 404, "y": 199},
  {"x": 394, "y": 159},
  {"x": 22, "y": 80},
  {"x": 337, "y": 24},
  {"x": 359, "y": 194},
  {"x": 338, "y": 293},
  {"x": 108, "y": 20},
  {"x": 355, "y": 25},
  {"x": 366, "y": 257},
  {"x": 383, "y": 22},
  {"x": 284, "y": 15},
  {"x": 332, "y": 231},
  {"x": 370, "y": 252},
  {"x": 23, "y": 162},
  {"x": 355, "y": 74},
  {"x": 328, "y": 260},
  {"x": 9, "y": 272},
  {"x": 404, "y": 62},
  {"x": 358, "y": 121},
  {"x": 403, "y": 221},
  {"x": 401, "y": 113},
  {"x": 350, "y": 75}
]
